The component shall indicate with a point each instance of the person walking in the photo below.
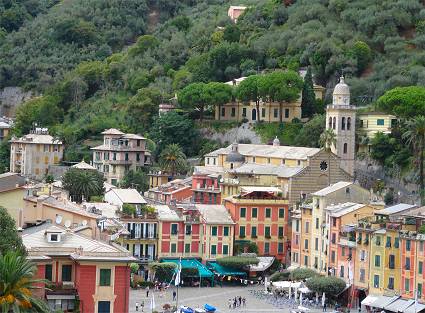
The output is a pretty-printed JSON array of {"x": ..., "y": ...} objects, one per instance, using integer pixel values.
[
  {"x": 230, "y": 303},
  {"x": 143, "y": 305},
  {"x": 147, "y": 291},
  {"x": 174, "y": 295},
  {"x": 137, "y": 306},
  {"x": 244, "y": 302}
]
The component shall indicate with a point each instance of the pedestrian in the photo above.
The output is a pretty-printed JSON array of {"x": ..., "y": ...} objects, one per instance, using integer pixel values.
[
  {"x": 230, "y": 303},
  {"x": 240, "y": 300},
  {"x": 174, "y": 295},
  {"x": 324, "y": 306},
  {"x": 143, "y": 305},
  {"x": 234, "y": 303},
  {"x": 244, "y": 302},
  {"x": 147, "y": 291},
  {"x": 137, "y": 306}
]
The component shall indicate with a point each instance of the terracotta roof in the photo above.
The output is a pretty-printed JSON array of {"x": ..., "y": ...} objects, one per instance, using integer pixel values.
[
  {"x": 128, "y": 195},
  {"x": 214, "y": 214},
  {"x": 282, "y": 152},
  {"x": 84, "y": 166},
  {"x": 112, "y": 131}
]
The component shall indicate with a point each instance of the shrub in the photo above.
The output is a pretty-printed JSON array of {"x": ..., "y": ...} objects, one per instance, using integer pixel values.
[
  {"x": 302, "y": 273},
  {"x": 237, "y": 262},
  {"x": 163, "y": 271},
  {"x": 279, "y": 276},
  {"x": 96, "y": 199},
  {"x": 128, "y": 209},
  {"x": 190, "y": 272},
  {"x": 144, "y": 284},
  {"x": 329, "y": 285},
  {"x": 134, "y": 267}
]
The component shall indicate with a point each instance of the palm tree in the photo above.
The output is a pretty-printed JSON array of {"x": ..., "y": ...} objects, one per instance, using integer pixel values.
[
  {"x": 16, "y": 285},
  {"x": 326, "y": 141},
  {"x": 172, "y": 159},
  {"x": 415, "y": 137},
  {"x": 83, "y": 183}
]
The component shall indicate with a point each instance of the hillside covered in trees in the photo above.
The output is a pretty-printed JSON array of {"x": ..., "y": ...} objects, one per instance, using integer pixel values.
[{"x": 101, "y": 64}]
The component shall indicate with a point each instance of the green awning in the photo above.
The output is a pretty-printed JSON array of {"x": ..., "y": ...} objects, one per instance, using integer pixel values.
[
  {"x": 223, "y": 270},
  {"x": 204, "y": 272}
]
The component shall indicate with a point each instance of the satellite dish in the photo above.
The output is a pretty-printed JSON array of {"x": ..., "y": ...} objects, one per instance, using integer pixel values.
[
  {"x": 84, "y": 222},
  {"x": 58, "y": 219},
  {"x": 67, "y": 223}
]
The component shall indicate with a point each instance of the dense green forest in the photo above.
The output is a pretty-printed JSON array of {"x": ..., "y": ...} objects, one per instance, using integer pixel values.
[{"x": 101, "y": 64}]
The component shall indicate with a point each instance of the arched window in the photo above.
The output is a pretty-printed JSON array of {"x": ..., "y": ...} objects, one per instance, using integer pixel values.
[
  {"x": 334, "y": 123},
  {"x": 343, "y": 123},
  {"x": 345, "y": 148},
  {"x": 330, "y": 122},
  {"x": 348, "y": 123}
]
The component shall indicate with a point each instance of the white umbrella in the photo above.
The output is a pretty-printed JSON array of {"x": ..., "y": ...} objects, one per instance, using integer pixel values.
[
  {"x": 152, "y": 304},
  {"x": 303, "y": 308},
  {"x": 323, "y": 299}
]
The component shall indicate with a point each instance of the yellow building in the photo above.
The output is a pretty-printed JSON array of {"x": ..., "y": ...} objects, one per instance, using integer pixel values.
[
  {"x": 377, "y": 262},
  {"x": 306, "y": 245},
  {"x": 60, "y": 212},
  {"x": 268, "y": 111},
  {"x": 32, "y": 154},
  {"x": 371, "y": 123}
]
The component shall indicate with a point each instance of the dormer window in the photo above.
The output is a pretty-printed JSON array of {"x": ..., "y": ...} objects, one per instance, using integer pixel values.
[{"x": 54, "y": 237}]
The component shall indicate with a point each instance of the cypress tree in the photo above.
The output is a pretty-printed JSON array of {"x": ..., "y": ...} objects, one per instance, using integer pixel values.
[{"x": 308, "y": 101}]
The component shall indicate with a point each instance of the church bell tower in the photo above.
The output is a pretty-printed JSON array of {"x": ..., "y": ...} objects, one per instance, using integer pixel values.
[{"x": 341, "y": 118}]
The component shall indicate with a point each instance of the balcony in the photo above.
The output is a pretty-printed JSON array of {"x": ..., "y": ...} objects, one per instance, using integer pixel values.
[
  {"x": 120, "y": 162},
  {"x": 63, "y": 288}
]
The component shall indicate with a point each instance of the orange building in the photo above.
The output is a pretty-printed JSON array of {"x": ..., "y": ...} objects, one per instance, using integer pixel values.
[{"x": 261, "y": 215}]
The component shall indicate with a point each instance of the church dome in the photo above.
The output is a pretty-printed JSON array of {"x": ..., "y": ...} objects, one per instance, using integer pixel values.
[
  {"x": 341, "y": 89},
  {"x": 234, "y": 156},
  {"x": 276, "y": 142}
]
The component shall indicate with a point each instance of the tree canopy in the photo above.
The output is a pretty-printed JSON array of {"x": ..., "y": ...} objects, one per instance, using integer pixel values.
[
  {"x": 330, "y": 285},
  {"x": 237, "y": 262},
  {"x": 9, "y": 239},
  {"x": 406, "y": 102}
]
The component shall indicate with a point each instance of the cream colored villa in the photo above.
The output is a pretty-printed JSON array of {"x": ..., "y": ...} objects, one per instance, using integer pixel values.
[
  {"x": 372, "y": 123},
  {"x": 120, "y": 153},
  {"x": 269, "y": 111},
  {"x": 32, "y": 154}
]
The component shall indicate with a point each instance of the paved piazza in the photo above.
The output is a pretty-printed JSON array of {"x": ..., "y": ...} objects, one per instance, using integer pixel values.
[{"x": 216, "y": 296}]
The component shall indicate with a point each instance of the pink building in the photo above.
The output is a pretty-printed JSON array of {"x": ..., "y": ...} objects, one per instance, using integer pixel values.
[
  {"x": 84, "y": 274},
  {"x": 205, "y": 185}
]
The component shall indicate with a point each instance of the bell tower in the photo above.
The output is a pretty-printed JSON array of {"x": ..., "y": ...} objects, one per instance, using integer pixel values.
[{"x": 341, "y": 118}]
